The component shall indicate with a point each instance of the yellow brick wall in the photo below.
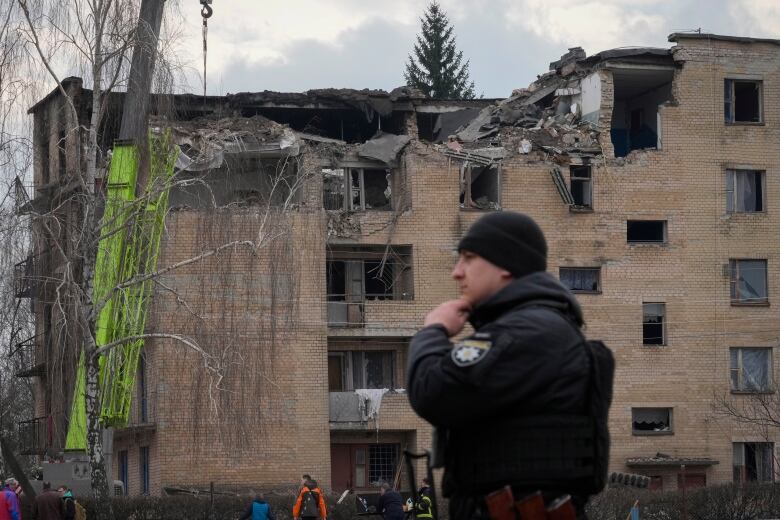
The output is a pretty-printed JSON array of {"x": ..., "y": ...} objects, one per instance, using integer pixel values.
[{"x": 269, "y": 423}]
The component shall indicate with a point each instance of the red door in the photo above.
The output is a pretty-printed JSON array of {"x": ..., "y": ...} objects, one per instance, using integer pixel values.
[{"x": 341, "y": 467}]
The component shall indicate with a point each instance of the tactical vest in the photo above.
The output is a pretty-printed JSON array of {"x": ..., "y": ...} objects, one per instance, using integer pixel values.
[{"x": 563, "y": 452}]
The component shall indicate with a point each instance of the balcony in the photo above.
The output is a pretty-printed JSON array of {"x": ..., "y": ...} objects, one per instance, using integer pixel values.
[
  {"x": 345, "y": 314},
  {"x": 24, "y": 278},
  {"x": 35, "y": 436},
  {"x": 29, "y": 363}
]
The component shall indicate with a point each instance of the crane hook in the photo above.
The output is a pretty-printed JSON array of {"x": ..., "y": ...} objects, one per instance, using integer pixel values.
[{"x": 206, "y": 11}]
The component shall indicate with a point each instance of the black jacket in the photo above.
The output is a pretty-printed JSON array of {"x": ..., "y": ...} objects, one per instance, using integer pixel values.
[
  {"x": 534, "y": 361},
  {"x": 491, "y": 394},
  {"x": 391, "y": 505}
]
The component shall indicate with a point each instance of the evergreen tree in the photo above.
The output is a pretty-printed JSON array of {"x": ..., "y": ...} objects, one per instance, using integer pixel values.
[{"x": 436, "y": 67}]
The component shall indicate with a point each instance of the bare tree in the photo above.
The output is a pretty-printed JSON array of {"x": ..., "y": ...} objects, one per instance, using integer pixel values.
[{"x": 16, "y": 89}]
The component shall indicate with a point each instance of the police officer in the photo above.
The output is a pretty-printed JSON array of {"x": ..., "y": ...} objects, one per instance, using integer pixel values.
[{"x": 506, "y": 400}]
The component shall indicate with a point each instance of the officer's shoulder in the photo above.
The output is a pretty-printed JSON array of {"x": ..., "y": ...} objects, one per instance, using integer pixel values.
[{"x": 531, "y": 314}]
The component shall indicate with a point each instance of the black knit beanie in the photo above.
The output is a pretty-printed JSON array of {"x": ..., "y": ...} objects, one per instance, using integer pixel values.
[{"x": 512, "y": 241}]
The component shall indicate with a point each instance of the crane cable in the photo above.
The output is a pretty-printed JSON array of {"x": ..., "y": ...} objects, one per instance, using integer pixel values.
[{"x": 206, "y": 12}]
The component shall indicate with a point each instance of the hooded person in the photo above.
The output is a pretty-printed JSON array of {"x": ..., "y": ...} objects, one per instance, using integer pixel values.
[{"x": 507, "y": 399}]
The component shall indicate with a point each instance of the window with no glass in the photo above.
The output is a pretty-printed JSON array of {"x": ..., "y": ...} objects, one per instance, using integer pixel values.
[
  {"x": 650, "y": 421},
  {"x": 581, "y": 186},
  {"x": 480, "y": 187},
  {"x": 357, "y": 189},
  {"x": 742, "y": 101},
  {"x": 646, "y": 231}
]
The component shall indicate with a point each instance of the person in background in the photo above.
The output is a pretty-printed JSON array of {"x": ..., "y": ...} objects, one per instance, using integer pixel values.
[
  {"x": 12, "y": 498},
  {"x": 68, "y": 503},
  {"x": 258, "y": 509},
  {"x": 424, "y": 506},
  {"x": 310, "y": 503},
  {"x": 390, "y": 503},
  {"x": 48, "y": 505}
]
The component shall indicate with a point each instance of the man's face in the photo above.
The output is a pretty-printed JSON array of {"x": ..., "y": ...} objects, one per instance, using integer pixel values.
[{"x": 477, "y": 278}]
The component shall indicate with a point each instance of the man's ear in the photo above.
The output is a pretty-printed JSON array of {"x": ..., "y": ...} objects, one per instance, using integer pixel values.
[{"x": 506, "y": 275}]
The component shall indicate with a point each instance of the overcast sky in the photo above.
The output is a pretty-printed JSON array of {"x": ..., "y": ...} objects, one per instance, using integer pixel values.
[{"x": 295, "y": 45}]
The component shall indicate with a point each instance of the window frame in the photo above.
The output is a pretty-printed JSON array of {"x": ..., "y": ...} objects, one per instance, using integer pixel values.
[
  {"x": 143, "y": 469},
  {"x": 733, "y": 271},
  {"x": 123, "y": 469},
  {"x": 642, "y": 433},
  {"x": 664, "y": 335},
  {"x": 466, "y": 183},
  {"x": 399, "y": 260},
  {"x": 740, "y": 368},
  {"x": 739, "y": 475},
  {"x": 347, "y": 203},
  {"x": 597, "y": 269},
  {"x": 730, "y": 101},
  {"x": 348, "y": 368},
  {"x": 587, "y": 181},
  {"x": 731, "y": 190},
  {"x": 143, "y": 397},
  {"x": 664, "y": 240},
  {"x": 360, "y": 463}
]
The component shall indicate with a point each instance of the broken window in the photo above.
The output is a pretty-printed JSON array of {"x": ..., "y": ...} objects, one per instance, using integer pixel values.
[
  {"x": 745, "y": 191},
  {"x": 357, "y": 189},
  {"x": 751, "y": 369},
  {"x": 646, "y": 231},
  {"x": 742, "y": 101},
  {"x": 333, "y": 189},
  {"x": 359, "y": 273},
  {"x": 754, "y": 462},
  {"x": 748, "y": 281},
  {"x": 638, "y": 92},
  {"x": 647, "y": 421},
  {"x": 240, "y": 181},
  {"x": 480, "y": 186},
  {"x": 653, "y": 323},
  {"x": 581, "y": 186},
  {"x": 360, "y": 369},
  {"x": 581, "y": 279}
]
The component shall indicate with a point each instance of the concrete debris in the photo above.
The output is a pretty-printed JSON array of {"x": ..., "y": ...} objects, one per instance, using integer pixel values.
[
  {"x": 525, "y": 146},
  {"x": 384, "y": 148},
  {"x": 341, "y": 224},
  {"x": 448, "y": 123}
]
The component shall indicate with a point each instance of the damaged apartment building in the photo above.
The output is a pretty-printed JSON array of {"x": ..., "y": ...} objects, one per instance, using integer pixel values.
[{"x": 651, "y": 171}]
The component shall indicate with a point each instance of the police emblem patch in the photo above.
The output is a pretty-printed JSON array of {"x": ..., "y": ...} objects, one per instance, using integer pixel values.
[{"x": 470, "y": 351}]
